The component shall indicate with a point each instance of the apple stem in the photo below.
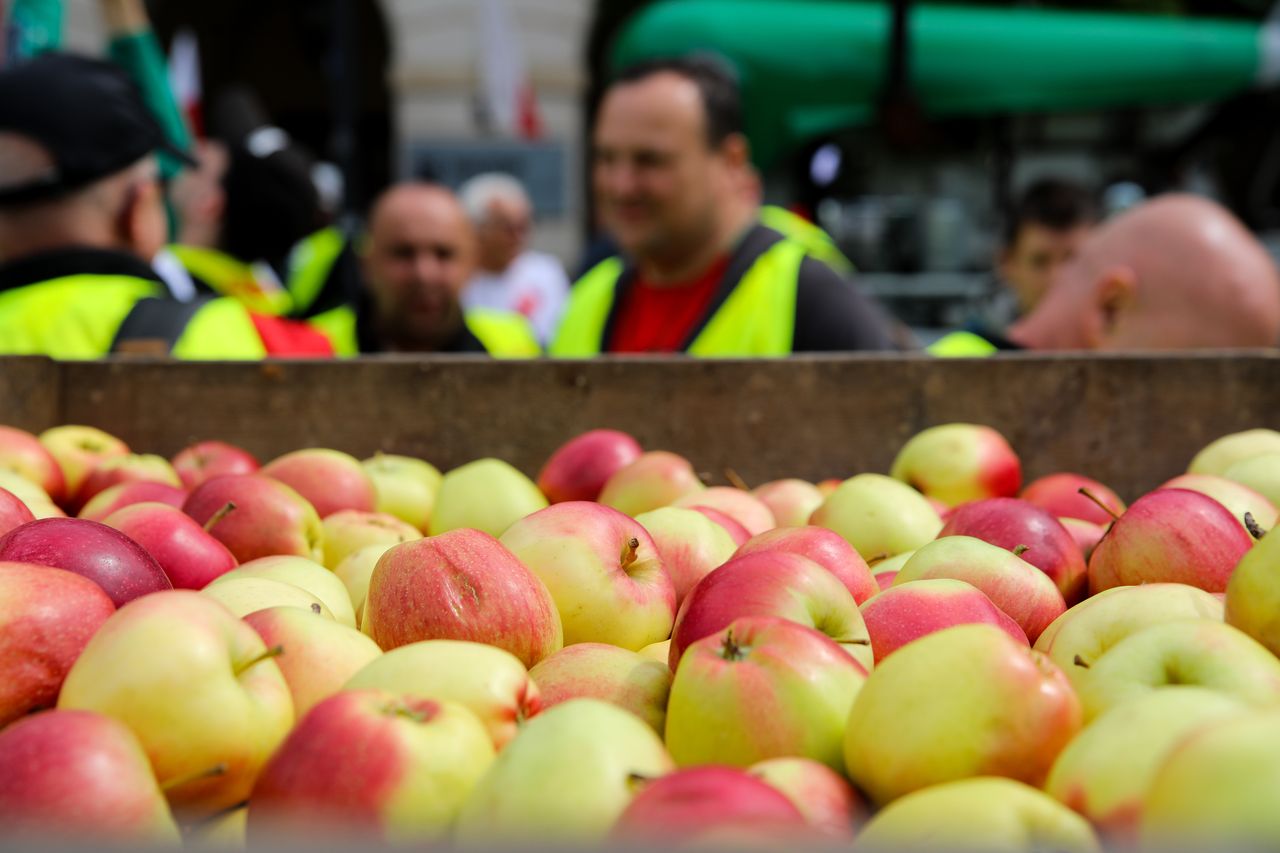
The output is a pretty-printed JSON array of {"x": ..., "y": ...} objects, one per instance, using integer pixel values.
[
  {"x": 736, "y": 480},
  {"x": 273, "y": 652},
  {"x": 316, "y": 608},
  {"x": 629, "y": 551},
  {"x": 637, "y": 781},
  {"x": 216, "y": 770},
  {"x": 1251, "y": 524},
  {"x": 863, "y": 641},
  {"x": 218, "y": 516},
  {"x": 1081, "y": 662},
  {"x": 730, "y": 650},
  {"x": 876, "y": 559},
  {"x": 1084, "y": 490},
  {"x": 1019, "y": 550}
]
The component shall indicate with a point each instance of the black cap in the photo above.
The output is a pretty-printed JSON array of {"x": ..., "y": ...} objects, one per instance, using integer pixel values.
[{"x": 89, "y": 115}]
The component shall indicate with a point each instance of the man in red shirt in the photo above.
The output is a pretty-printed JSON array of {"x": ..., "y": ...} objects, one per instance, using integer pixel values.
[{"x": 698, "y": 272}]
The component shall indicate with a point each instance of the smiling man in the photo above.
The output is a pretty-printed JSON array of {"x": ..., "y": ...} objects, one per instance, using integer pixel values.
[{"x": 698, "y": 273}]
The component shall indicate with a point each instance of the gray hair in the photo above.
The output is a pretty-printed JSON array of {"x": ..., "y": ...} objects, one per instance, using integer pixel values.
[{"x": 478, "y": 193}]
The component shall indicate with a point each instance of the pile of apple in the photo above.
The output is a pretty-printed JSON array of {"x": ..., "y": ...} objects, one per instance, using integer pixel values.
[{"x": 205, "y": 649}]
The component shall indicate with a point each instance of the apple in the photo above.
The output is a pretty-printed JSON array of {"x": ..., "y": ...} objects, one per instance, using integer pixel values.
[
  {"x": 1217, "y": 789},
  {"x": 730, "y": 525},
  {"x": 761, "y": 688},
  {"x": 488, "y": 681},
  {"x": 1253, "y": 593},
  {"x": 30, "y": 494},
  {"x": 330, "y": 479},
  {"x": 1107, "y": 770},
  {"x": 129, "y": 468},
  {"x": 356, "y": 571},
  {"x": 190, "y": 557},
  {"x": 1220, "y": 454},
  {"x": 704, "y": 804},
  {"x": 905, "y": 612},
  {"x": 743, "y": 507},
  {"x": 196, "y": 686},
  {"x": 257, "y": 516},
  {"x": 827, "y": 486},
  {"x": 319, "y": 656},
  {"x": 76, "y": 774},
  {"x": 1171, "y": 536},
  {"x": 404, "y": 487},
  {"x": 603, "y": 571},
  {"x": 1085, "y": 534},
  {"x": 1195, "y": 652},
  {"x": 879, "y": 516},
  {"x": 829, "y": 804},
  {"x": 487, "y": 495},
  {"x": 689, "y": 544},
  {"x": 46, "y": 617},
  {"x": 225, "y": 831},
  {"x": 771, "y": 583},
  {"x": 461, "y": 585},
  {"x": 14, "y": 513},
  {"x": 958, "y": 463},
  {"x": 350, "y": 530},
  {"x": 579, "y": 468},
  {"x": 78, "y": 450},
  {"x": 1237, "y": 498},
  {"x": 791, "y": 501},
  {"x": 1093, "y": 626},
  {"x": 566, "y": 779},
  {"x": 600, "y": 671},
  {"x": 394, "y": 768},
  {"x": 826, "y": 548},
  {"x": 112, "y": 560},
  {"x": 23, "y": 454},
  {"x": 1018, "y": 588},
  {"x": 244, "y": 595},
  {"x": 657, "y": 651},
  {"x": 987, "y": 813},
  {"x": 654, "y": 479},
  {"x": 205, "y": 460},
  {"x": 118, "y": 497},
  {"x": 1259, "y": 473},
  {"x": 1060, "y": 496},
  {"x": 1009, "y": 523},
  {"x": 965, "y": 701}
]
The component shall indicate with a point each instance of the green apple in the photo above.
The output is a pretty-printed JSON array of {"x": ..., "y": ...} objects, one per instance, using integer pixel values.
[
  {"x": 565, "y": 779},
  {"x": 1236, "y": 497},
  {"x": 657, "y": 651},
  {"x": 487, "y": 495},
  {"x": 198, "y": 688},
  {"x": 1220, "y": 454},
  {"x": 1253, "y": 593},
  {"x": 78, "y": 449},
  {"x": 36, "y": 498},
  {"x": 879, "y": 516},
  {"x": 405, "y": 487},
  {"x": 654, "y": 479},
  {"x": 355, "y": 572},
  {"x": 958, "y": 463},
  {"x": 304, "y": 574},
  {"x": 601, "y": 671},
  {"x": 349, "y": 530},
  {"x": 690, "y": 544},
  {"x": 245, "y": 595},
  {"x": 791, "y": 501},
  {"x": 986, "y": 813},
  {"x": 1259, "y": 473}
]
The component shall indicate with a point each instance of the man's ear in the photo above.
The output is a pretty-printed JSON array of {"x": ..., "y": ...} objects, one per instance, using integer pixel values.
[
  {"x": 1114, "y": 292},
  {"x": 736, "y": 150}
]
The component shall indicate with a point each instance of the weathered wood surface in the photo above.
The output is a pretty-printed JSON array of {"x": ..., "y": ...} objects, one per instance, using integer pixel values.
[{"x": 1130, "y": 421}]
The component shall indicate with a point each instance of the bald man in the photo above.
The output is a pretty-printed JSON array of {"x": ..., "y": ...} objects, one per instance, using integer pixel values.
[{"x": 418, "y": 255}]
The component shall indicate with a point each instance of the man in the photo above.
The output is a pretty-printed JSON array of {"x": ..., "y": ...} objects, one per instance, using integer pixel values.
[
  {"x": 1049, "y": 224},
  {"x": 698, "y": 273},
  {"x": 510, "y": 276},
  {"x": 418, "y": 255},
  {"x": 1177, "y": 272},
  {"x": 81, "y": 215}
]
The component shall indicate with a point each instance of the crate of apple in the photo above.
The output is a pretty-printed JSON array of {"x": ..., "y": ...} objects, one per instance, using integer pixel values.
[{"x": 210, "y": 649}]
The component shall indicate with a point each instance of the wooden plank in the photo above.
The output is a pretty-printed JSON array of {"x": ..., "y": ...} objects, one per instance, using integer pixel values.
[
  {"x": 1130, "y": 421},
  {"x": 29, "y": 393}
]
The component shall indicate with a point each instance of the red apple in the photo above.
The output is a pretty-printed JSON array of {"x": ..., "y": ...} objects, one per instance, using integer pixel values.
[
  {"x": 1170, "y": 535},
  {"x": 743, "y": 507},
  {"x": 190, "y": 557},
  {"x": 652, "y": 480},
  {"x": 81, "y": 775},
  {"x": 1009, "y": 523},
  {"x": 112, "y": 560},
  {"x": 46, "y": 617},
  {"x": 829, "y": 803},
  {"x": 208, "y": 459},
  {"x": 826, "y": 548},
  {"x": 129, "y": 468},
  {"x": 107, "y": 501},
  {"x": 1059, "y": 495},
  {"x": 1086, "y": 534},
  {"x": 736, "y": 531},
  {"x": 13, "y": 512},
  {"x": 601, "y": 671},
  {"x": 908, "y": 611},
  {"x": 22, "y": 453},
  {"x": 690, "y": 544},
  {"x": 263, "y": 517},
  {"x": 959, "y": 463},
  {"x": 461, "y": 585},
  {"x": 330, "y": 479},
  {"x": 791, "y": 501},
  {"x": 579, "y": 468}
]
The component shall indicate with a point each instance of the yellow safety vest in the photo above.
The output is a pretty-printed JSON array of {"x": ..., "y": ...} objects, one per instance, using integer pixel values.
[
  {"x": 503, "y": 334},
  {"x": 81, "y": 316},
  {"x": 229, "y": 276},
  {"x": 309, "y": 264},
  {"x": 757, "y": 319},
  {"x": 962, "y": 345},
  {"x": 816, "y": 242}
]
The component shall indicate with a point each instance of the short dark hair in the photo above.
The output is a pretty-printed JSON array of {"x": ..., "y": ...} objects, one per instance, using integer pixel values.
[
  {"x": 1053, "y": 203},
  {"x": 716, "y": 82}
]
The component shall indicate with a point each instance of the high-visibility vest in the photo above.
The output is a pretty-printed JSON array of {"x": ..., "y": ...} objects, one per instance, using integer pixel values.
[
  {"x": 961, "y": 345},
  {"x": 816, "y": 241},
  {"x": 757, "y": 319},
  {"x": 91, "y": 316},
  {"x": 310, "y": 276},
  {"x": 504, "y": 334},
  {"x": 229, "y": 276}
]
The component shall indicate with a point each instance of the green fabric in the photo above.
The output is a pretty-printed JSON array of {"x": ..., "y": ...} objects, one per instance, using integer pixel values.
[
  {"x": 309, "y": 266},
  {"x": 33, "y": 27},
  {"x": 961, "y": 345},
  {"x": 339, "y": 326},
  {"x": 503, "y": 334},
  {"x": 816, "y": 242},
  {"x": 229, "y": 276},
  {"x": 582, "y": 323},
  {"x": 140, "y": 55}
]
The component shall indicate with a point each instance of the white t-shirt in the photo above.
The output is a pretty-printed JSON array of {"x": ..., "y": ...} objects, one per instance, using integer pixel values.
[{"x": 535, "y": 285}]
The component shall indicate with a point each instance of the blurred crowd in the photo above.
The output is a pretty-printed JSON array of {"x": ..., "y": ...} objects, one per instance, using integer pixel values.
[{"x": 120, "y": 233}]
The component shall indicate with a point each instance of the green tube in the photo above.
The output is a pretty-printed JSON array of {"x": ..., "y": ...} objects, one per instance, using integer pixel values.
[{"x": 810, "y": 67}]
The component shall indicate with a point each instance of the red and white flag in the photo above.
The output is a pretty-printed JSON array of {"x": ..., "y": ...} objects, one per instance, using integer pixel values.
[
  {"x": 184, "y": 79},
  {"x": 507, "y": 99}
]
